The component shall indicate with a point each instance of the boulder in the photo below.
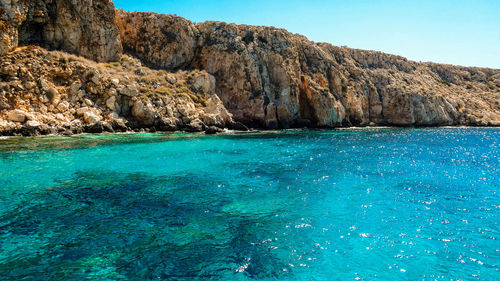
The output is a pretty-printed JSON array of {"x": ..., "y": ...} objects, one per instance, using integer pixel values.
[
  {"x": 33, "y": 124},
  {"x": 171, "y": 79},
  {"x": 212, "y": 130},
  {"x": 203, "y": 83},
  {"x": 88, "y": 102},
  {"x": 129, "y": 92},
  {"x": 80, "y": 111},
  {"x": 53, "y": 95},
  {"x": 110, "y": 103},
  {"x": 118, "y": 124},
  {"x": 91, "y": 117},
  {"x": 144, "y": 113},
  {"x": 63, "y": 106},
  {"x": 196, "y": 125},
  {"x": 168, "y": 124},
  {"x": 16, "y": 115},
  {"x": 44, "y": 85}
]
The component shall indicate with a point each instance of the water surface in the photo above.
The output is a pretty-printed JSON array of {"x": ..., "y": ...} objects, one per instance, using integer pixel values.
[{"x": 373, "y": 204}]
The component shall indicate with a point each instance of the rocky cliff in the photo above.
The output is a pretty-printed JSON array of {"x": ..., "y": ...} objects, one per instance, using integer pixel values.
[
  {"x": 83, "y": 27},
  {"x": 52, "y": 92},
  {"x": 43, "y": 91},
  {"x": 163, "y": 72},
  {"x": 271, "y": 78}
]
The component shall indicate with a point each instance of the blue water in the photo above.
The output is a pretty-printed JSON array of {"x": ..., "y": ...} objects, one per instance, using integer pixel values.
[{"x": 373, "y": 204}]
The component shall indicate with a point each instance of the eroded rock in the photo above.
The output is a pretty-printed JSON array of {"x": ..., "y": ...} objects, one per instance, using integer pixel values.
[
  {"x": 85, "y": 28},
  {"x": 212, "y": 75},
  {"x": 91, "y": 117},
  {"x": 16, "y": 115},
  {"x": 270, "y": 78}
]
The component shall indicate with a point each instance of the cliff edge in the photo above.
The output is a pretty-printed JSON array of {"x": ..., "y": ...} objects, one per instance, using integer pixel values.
[
  {"x": 132, "y": 71},
  {"x": 271, "y": 78}
]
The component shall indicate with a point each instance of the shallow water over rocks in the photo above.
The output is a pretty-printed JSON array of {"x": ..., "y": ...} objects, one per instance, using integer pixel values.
[{"x": 372, "y": 204}]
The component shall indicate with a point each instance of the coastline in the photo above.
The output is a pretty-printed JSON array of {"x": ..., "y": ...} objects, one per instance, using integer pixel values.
[
  {"x": 237, "y": 132},
  {"x": 87, "y": 140},
  {"x": 205, "y": 77},
  {"x": 145, "y": 146}
]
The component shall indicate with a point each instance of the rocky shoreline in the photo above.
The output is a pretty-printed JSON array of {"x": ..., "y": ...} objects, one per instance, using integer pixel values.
[
  {"x": 70, "y": 67},
  {"x": 51, "y": 92}
]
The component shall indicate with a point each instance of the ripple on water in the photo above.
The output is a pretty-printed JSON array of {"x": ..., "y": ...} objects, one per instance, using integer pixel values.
[{"x": 378, "y": 204}]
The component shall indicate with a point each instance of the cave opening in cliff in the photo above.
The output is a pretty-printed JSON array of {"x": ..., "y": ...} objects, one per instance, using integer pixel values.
[{"x": 31, "y": 33}]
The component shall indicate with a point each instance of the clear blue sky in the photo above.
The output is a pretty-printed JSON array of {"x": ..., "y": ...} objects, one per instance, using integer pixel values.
[{"x": 462, "y": 32}]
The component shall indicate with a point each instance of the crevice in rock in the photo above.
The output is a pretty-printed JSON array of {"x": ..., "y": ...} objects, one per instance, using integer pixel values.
[{"x": 306, "y": 110}]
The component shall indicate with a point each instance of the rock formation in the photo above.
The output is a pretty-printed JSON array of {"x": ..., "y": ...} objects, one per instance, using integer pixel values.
[
  {"x": 83, "y": 27},
  {"x": 271, "y": 78},
  {"x": 51, "y": 92},
  {"x": 163, "y": 72}
]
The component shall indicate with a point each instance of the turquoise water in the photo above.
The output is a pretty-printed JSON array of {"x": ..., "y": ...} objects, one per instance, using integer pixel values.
[{"x": 374, "y": 204}]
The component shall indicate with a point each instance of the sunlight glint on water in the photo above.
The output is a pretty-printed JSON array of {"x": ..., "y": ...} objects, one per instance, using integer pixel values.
[{"x": 380, "y": 204}]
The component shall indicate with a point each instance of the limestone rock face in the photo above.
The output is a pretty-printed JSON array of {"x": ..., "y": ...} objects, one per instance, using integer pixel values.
[
  {"x": 8, "y": 37},
  {"x": 172, "y": 41},
  {"x": 270, "y": 78},
  {"x": 84, "y": 27},
  {"x": 204, "y": 76}
]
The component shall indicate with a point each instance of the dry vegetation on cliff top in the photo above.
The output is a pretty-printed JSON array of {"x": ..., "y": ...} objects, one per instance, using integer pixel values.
[{"x": 54, "y": 92}]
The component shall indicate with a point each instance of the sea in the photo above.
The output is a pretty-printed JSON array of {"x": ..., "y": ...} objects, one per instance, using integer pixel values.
[{"x": 351, "y": 204}]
